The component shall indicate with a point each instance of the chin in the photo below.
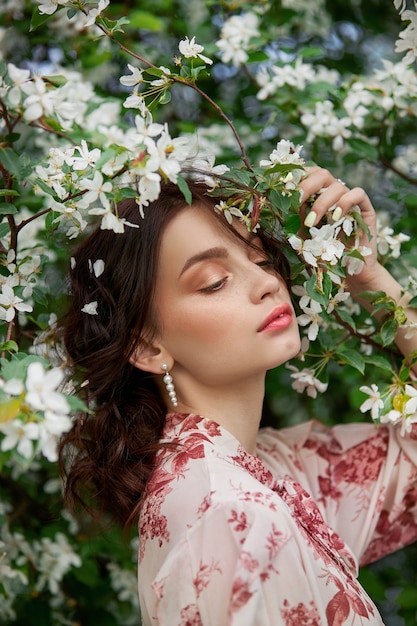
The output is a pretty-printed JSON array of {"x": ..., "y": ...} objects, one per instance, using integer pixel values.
[{"x": 291, "y": 350}]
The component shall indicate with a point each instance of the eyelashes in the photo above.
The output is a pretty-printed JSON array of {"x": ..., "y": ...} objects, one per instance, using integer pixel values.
[
  {"x": 214, "y": 286},
  {"x": 266, "y": 263}
]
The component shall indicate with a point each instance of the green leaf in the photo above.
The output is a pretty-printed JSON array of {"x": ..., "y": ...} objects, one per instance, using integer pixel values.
[
  {"x": 53, "y": 124},
  {"x": 353, "y": 358},
  {"x": 17, "y": 366},
  {"x": 292, "y": 224},
  {"x": 56, "y": 80},
  {"x": 404, "y": 374},
  {"x": 49, "y": 220},
  {"x": 400, "y": 315},
  {"x": 165, "y": 97},
  {"x": 145, "y": 21},
  {"x": 184, "y": 188},
  {"x": 46, "y": 188},
  {"x": 9, "y": 346},
  {"x": 9, "y": 192},
  {"x": 257, "y": 57},
  {"x": 38, "y": 19},
  {"x": 373, "y": 296},
  {"x": 12, "y": 137},
  {"x": 363, "y": 149},
  {"x": 407, "y": 598},
  {"x": 39, "y": 296},
  {"x": 4, "y": 229},
  {"x": 104, "y": 158},
  {"x": 388, "y": 331},
  {"x": 346, "y": 318},
  {"x": 10, "y": 161},
  {"x": 379, "y": 361},
  {"x": 7, "y": 209},
  {"x": 314, "y": 291},
  {"x": 76, "y": 404},
  {"x": 413, "y": 302},
  {"x": 127, "y": 192},
  {"x": 311, "y": 52},
  {"x": 88, "y": 573}
]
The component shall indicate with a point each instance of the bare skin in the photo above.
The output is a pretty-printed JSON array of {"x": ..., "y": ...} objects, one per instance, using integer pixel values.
[{"x": 214, "y": 297}]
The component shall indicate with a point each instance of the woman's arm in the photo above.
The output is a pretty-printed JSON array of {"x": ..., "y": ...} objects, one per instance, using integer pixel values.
[{"x": 374, "y": 277}]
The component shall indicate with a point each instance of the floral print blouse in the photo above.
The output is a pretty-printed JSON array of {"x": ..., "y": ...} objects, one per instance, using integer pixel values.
[{"x": 275, "y": 539}]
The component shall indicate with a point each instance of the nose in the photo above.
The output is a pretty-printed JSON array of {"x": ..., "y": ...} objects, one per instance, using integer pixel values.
[{"x": 264, "y": 282}]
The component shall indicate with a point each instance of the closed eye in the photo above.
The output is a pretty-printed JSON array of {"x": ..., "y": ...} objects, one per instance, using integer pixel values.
[{"x": 214, "y": 287}]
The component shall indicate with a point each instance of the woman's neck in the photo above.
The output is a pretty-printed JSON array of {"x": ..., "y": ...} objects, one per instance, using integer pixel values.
[{"x": 239, "y": 410}]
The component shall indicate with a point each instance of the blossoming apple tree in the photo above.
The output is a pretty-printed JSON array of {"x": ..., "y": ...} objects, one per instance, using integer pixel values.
[{"x": 100, "y": 102}]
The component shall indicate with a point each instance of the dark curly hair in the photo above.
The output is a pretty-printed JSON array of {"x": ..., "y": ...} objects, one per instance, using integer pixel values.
[{"x": 107, "y": 457}]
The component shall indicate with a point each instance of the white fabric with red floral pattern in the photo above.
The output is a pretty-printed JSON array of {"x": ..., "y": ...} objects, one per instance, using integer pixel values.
[{"x": 227, "y": 538}]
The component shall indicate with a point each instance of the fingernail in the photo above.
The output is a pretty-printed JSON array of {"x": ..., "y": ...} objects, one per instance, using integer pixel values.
[
  {"x": 337, "y": 214},
  {"x": 310, "y": 219}
]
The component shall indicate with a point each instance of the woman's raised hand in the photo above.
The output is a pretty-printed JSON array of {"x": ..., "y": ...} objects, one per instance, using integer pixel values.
[{"x": 324, "y": 195}]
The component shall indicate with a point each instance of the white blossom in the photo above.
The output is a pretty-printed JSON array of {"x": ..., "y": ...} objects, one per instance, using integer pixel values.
[
  {"x": 311, "y": 318},
  {"x": 147, "y": 128},
  {"x": 13, "y": 387},
  {"x": 19, "y": 77},
  {"x": 325, "y": 123},
  {"x": 135, "y": 78},
  {"x": 404, "y": 411},
  {"x": 97, "y": 189},
  {"x": 410, "y": 406},
  {"x": 98, "y": 267},
  {"x": 284, "y": 153},
  {"x": 301, "y": 292},
  {"x": 353, "y": 264},
  {"x": 191, "y": 50},
  {"x": 305, "y": 380},
  {"x": 388, "y": 242},
  {"x": 297, "y": 75},
  {"x": 42, "y": 394},
  {"x": 93, "y": 14},
  {"x": 39, "y": 101},
  {"x": 48, "y": 7},
  {"x": 374, "y": 403},
  {"x": 340, "y": 296},
  {"x": 91, "y": 307},
  {"x": 55, "y": 559},
  {"x": 206, "y": 172},
  {"x": 228, "y": 211},
  {"x": 86, "y": 159},
  {"x": 124, "y": 582},
  {"x": 235, "y": 37},
  {"x": 10, "y": 303},
  {"x": 136, "y": 101},
  {"x": 50, "y": 431},
  {"x": 110, "y": 221},
  {"x": 323, "y": 245},
  {"x": 407, "y": 39},
  {"x": 19, "y": 436}
]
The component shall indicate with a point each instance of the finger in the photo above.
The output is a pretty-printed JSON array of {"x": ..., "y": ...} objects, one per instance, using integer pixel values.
[
  {"x": 317, "y": 178},
  {"x": 329, "y": 199}
]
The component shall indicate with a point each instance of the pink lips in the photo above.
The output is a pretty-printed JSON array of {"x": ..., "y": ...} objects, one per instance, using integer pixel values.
[{"x": 279, "y": 318}]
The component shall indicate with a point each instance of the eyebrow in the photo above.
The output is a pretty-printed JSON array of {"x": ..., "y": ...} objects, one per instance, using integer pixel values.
[{"x": 211, "y": 253}]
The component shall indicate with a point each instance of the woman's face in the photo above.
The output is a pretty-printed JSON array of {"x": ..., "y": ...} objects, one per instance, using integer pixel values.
[{"x": 225, "y": 315}]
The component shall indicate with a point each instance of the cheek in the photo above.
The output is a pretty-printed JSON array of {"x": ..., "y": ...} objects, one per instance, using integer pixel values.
[{"x": 197, "y": 324}]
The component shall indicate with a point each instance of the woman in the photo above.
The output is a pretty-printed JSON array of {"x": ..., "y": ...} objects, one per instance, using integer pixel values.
[{"x": 236, "y": 525}]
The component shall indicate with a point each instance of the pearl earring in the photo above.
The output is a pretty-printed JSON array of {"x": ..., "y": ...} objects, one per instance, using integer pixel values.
[{"x": 169, "y": 385}]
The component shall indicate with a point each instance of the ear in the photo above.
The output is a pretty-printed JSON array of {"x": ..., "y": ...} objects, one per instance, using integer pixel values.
[{"x": 150, "y": 356}]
